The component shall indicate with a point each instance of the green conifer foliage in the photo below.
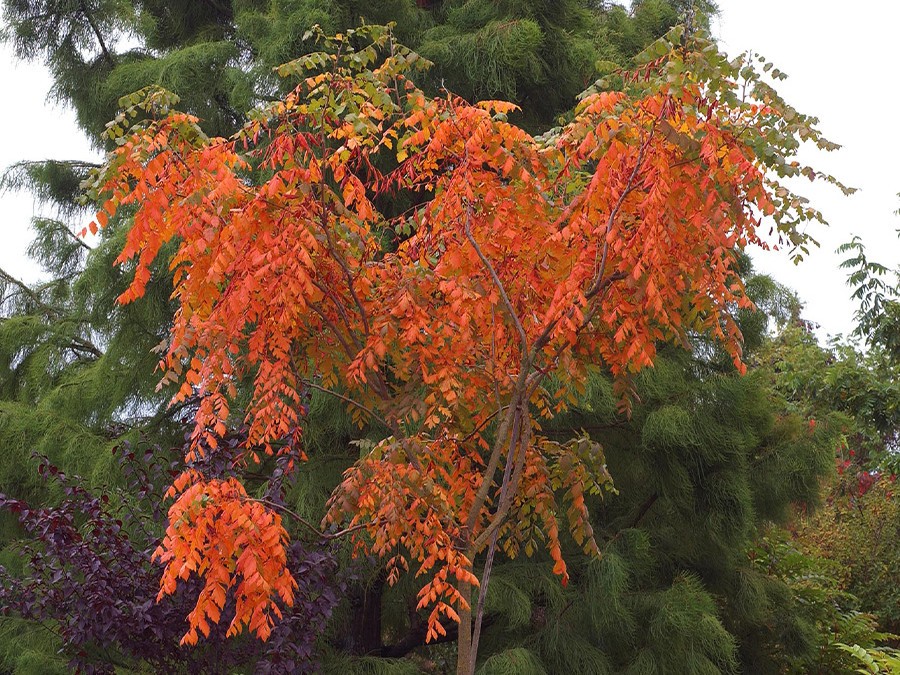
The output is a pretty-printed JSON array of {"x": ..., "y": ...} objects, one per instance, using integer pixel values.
[
  {"x": 701, "y": 466},
  {"x": 537, "y": 52}
]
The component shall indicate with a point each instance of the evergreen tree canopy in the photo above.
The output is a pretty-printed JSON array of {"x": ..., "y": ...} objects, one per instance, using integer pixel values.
[{"x": 218, "y": 56}]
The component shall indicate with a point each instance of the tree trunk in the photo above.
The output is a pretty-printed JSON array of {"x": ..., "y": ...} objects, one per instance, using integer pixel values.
[
  {"x": 365, "y": 631},
  {"x": 464, "y": 661}
]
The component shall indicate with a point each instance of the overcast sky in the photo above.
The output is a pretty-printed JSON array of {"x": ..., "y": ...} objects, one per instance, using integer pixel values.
[{"x": 842, "y": 62}]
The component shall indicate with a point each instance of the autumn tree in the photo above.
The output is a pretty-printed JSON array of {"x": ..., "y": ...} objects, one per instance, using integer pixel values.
[
  {"x": 73, "y": 356},
  {"x": 523, "y": 259},
  {"x": 78, "y": 377}
]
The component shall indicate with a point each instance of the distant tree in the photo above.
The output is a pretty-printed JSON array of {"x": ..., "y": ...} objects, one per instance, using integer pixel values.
[{"x": 857, "y": 530}]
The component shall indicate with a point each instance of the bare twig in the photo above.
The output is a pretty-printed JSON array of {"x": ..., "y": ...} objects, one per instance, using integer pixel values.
[{"x": 328, "y": 536}]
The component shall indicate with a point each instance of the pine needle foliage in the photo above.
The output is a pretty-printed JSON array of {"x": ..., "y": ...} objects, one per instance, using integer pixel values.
[
  {"x": 25, "y": 651},
  {"x": 341, "y": 665},
  {"x": 516, "y": 661}
]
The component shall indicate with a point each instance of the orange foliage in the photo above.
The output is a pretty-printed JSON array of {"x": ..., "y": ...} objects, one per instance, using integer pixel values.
[
  {"x": 216, "y": 532},
  {"x": 522, "y": 257}
]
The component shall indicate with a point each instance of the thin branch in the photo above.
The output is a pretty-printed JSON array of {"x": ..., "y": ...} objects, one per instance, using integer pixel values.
[
  {"x": 340, "y": 260},
  {"x": 334, "y": 329},
  {"x": 30, "y": 292},
  {"x": 481, "y": 425},
  {"x": 328, "y": 536},
  {"x": 375, "y": 416},
  {"x": 499, "y": 284},
  {"x": 588, "y": 317},
  {"x": 569, "y": 210},
  {"x": 629, "y": 188},
  {"x": 80, "y": 344},
  {"x": 96, "y": 29},
  {"x": 170, "y": 411},
  {"x": 78, "y": 240},
  {"x": 642, "y": 511}
]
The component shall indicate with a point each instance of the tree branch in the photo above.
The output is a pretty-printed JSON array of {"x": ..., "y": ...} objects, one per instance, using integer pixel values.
[
  {"x": 629, "y": 187},
  {"x": 30, "y": 293},
  {"x": 375, "y": 416},
  {"x": 78, "y": 240},
  {"x": 96, "y": 29},
  {"x": 328, "y": 536},
  {"x": 496, "y": 279}
]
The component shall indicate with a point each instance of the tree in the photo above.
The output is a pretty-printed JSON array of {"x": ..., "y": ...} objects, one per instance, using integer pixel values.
[
  {"x": 857, "y": 378},
  {"x": 284, "y": 285},
  {"x": 73, "y": 356},
  {"x": 876, "y": 288},
  {"x": 856, "y": 529},
  {"x": 218, "y": 56},
  {"x": 79, "y": 370}
]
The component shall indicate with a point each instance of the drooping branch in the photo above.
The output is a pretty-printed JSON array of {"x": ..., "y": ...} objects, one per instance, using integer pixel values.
[
  {"x": 74, "y": 237},
  {"x": 90, "y": 19},
  {"x": 326, "y": 536},
  {"x": 346, "y": 399}
]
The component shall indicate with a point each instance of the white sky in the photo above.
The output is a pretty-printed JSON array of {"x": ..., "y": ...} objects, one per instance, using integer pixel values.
[
  {"x": 33, "y": 129},
  {"x": 842, "y": 63}
]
